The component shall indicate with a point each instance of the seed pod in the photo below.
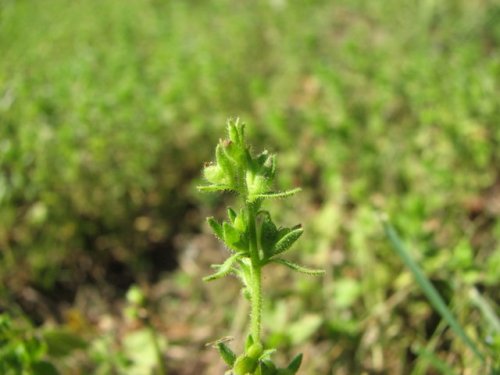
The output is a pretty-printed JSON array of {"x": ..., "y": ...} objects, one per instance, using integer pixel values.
[
  {"x": 244, "y": 365},
  {"x": 255, "y": 350}
]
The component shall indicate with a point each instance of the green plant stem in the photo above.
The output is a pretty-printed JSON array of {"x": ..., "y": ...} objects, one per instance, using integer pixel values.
[
  {"x": 256, "y": 301},
  {"x": 256, "y": 281}
]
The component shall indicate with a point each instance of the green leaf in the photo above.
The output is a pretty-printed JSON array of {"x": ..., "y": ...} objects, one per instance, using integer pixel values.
[
  {"x": 215, "y": 187},
  {"x": 279, "y": 194},
  {"x": 295, "y": 363},
  {"x": 216, "y": 228},
  {"x": 268, "y": 234},
  {"x": 298, "y": 268},
  {"x": 435, "y": 361},
  {"x": 223, "y": 269},
  {"x": 240, "y": 222},
  {"x": 486, "y": 309},
  {"x": 287, "y": 241},
  {"x": 232, "y": 237},
  {"x": 226, "y": 353},
  {"x": 428, "y": 289}
]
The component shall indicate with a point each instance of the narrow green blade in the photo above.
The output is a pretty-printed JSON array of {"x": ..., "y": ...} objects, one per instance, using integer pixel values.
[
  {"x": 435, "y": 361},
  {"x": 428, "y": 289}
]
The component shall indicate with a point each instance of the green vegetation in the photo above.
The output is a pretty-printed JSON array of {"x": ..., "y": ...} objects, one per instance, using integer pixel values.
[
  {"x": 108, "y": 110},
  {"x": 253, "y": 239}
]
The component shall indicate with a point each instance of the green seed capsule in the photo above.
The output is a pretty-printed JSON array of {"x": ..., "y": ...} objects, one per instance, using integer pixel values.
[
  {"x": 255, "y": 350},
  {"x": 245, "y": 365}
]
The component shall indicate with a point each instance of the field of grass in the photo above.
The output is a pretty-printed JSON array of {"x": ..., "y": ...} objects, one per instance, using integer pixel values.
[{"x": 108, "y": 111}]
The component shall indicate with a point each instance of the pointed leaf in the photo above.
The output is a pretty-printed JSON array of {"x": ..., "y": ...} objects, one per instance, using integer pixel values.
[
  {"x": 279, "y": 194},
  {"x": 212, "y": 188},
  {"x": 248, "y": 342},
  {"x": 298, "y": 268},
  {"x": 287, "y": 240},
  {"x": 226, "y": 353},
  {"x": 268, "y": 234},
  {"x": 429, "y": 290},
  {"x": 216, "y": 228},
  {"x": 295, "y": 363},
  {"x": 223, "y": 269},
  {"x": 240, "y": 223},
  {"x": 231, "y": 235}
]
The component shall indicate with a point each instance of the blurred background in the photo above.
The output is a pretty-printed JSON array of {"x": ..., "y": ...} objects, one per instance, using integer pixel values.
[{"x": 108, "y": 110}]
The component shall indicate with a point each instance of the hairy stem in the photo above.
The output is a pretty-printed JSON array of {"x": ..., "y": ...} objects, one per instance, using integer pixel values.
[
  {"x": 256, "y": 300},
  {"x": 256, "y": 282}
]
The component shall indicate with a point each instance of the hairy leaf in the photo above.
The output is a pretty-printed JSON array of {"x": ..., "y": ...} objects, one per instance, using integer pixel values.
[
  {"x": 287, "y": 241},
  {"x": 279, "y": 194},
  {"x": 226, "y": 353},
  {"x": 223, "y": 269},
  {"x": 216, "y": 228},
  {"x": 215, "y": 187},
  {"x": 298, "y": 268},
  {"x": 268, "y": 234},
  {"x": 231, "y": 235}
]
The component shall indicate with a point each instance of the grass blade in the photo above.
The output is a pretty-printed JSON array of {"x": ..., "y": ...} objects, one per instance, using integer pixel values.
[
  {"x": 485, "y": 308},
  {"x": 431, "y": 293},
  {"x": 436, "y": 362}
]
